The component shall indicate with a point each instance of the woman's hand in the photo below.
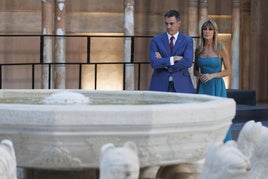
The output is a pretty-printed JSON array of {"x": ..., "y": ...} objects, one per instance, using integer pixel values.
[{"x": 205, "y": 77}]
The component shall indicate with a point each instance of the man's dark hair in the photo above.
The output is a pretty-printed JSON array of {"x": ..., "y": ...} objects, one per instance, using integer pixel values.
[{"x": 172, "y": 13}]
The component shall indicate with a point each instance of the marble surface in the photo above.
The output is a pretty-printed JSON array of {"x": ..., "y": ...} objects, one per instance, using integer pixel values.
[
  {"x": 7, "y": 160},
  {"x": 119, "y": 162},
  {"x": 244, "y": 159},
  {"x": 168, "y": 128}
]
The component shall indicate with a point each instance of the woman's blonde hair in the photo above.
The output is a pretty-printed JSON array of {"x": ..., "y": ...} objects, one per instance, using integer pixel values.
[{"x": 216, "y": 46}]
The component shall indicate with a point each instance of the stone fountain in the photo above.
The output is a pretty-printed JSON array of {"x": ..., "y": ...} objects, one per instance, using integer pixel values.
[{"x": 65, "y": 129}]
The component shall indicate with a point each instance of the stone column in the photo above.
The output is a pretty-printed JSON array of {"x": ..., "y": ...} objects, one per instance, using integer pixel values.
[
  {"x": 60, "y": 44},
  {"x": 193, "y": 28},
  {"x": 193, "y": 18},
  {"x": 203, "y": 13},
  {"x": 129, "y": 31},
  {"x": 47, "y": 29},
  {"x": 245, "y": 44},
  {"x": 235, "y": 44}
]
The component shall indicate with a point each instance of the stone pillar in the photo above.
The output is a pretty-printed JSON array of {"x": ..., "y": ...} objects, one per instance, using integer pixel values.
[
  {"x": 60, "y": 44},
  {"x": 129, "y": 31},
  {"x": 203, "y": 13},
  {"x": 47, "y": 29},
  {"x": 193, "y": 18},
  {"x": 235, "y": 44},
  {"x": 245, "y": 44},
  {"x": 193, "y": 28}
]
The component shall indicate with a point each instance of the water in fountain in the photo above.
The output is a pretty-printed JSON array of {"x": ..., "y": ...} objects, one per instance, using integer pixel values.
[{"x": 66, "y": 97}]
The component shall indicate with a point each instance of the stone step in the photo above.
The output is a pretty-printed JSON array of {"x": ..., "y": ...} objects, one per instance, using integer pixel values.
[
  {"x": 246, "y": 97},
  {"x": 246, "y": 113},
  {"x": 236, "y": 128},
  {"x": 246, "y": 109}
]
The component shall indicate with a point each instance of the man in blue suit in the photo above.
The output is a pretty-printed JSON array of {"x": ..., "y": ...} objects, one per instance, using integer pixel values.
[{"x": 171, "y": 58}]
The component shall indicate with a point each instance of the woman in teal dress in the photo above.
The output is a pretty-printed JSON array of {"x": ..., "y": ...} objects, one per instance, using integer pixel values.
[{"x": 212, "y": 63}]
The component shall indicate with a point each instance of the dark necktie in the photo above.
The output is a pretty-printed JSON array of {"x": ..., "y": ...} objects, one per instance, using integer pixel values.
[{"x": 171, "y": 44}]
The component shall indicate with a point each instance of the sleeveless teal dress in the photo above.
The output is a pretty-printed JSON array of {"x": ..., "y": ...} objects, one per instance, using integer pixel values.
[{"x": 215, "y": 86}]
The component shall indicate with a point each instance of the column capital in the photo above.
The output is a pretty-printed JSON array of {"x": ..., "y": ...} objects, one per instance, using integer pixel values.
[
  {"x": 47, "y": 1},
  {"x": 203, "y": 3},
  {"x": 236, "y": 3},
  {"x": 129, "y": 2},
  {"x": 246, "y": 6},
  {"x": 193, "y": 3}
]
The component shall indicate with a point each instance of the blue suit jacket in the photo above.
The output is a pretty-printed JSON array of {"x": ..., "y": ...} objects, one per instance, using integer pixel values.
[{"x": 163, "y": 69}]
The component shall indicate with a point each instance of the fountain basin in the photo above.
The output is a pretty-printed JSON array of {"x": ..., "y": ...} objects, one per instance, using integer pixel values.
[{"x": 168, "y": 128}]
